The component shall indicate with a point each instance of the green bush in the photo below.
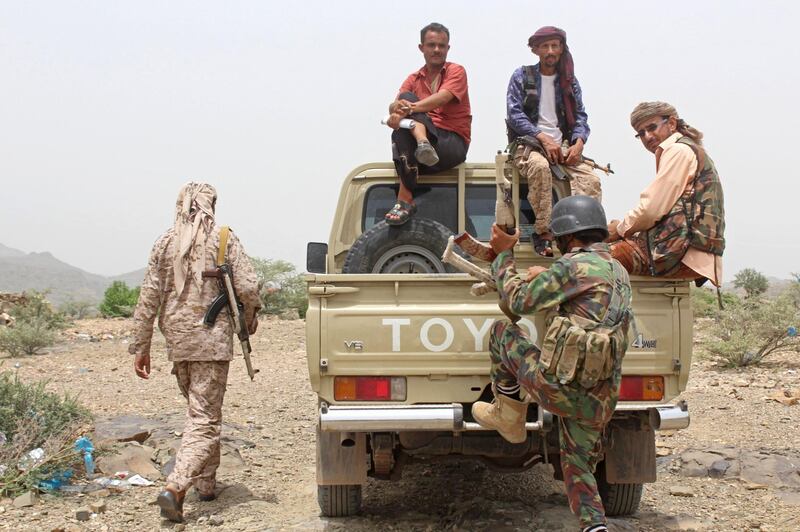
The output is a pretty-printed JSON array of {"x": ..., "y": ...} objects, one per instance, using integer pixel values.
[
  {"x": 747, "y": 332},
  {"x": 77, "y": 309},
  {"x": 119, "y": 300},
  {"x": 292, "y": 293},
  {"x": 705, "y": 304},
  {"x": 753, "y": 282},
  {"x": 31, "y": 418},
  {"x": 36, "y": 326}
]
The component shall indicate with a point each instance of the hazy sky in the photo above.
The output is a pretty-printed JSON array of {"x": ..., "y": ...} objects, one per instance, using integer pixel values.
[{"x": 107, "y": 108}]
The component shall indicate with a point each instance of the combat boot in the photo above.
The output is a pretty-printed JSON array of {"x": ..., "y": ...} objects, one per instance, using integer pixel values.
[
  {"x": 171, "y": 503},
  {"x": 505, "y": 415}
]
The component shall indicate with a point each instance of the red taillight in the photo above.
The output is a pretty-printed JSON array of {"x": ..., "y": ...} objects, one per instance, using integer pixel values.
[
  {"x": 369, "y": 388},
  {"x": 636, "y": 388}
]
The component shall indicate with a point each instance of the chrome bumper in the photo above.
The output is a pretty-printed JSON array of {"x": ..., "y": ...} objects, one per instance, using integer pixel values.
[
  {"x": 450, "y": 417},
  {"x": 397, "y": 418}
]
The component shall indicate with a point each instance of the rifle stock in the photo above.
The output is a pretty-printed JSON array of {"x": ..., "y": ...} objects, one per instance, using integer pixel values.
[{"x": 486, "y": 284}]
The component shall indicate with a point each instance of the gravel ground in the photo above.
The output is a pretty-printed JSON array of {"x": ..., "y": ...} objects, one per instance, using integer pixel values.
[{"x": 274, "y": 489}]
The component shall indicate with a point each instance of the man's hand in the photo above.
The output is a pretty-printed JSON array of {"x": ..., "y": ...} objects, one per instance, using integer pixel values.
[
  {"x": 394, "y": 120},
  {"x": 613, "y": 235},
  {"x": 574, "y": 153},
  {"x": 142, "y": 366},
  {"x": 551, "y": 148},
  {"x": 533, "y": 272},
  {"x": 401, "y": 107},
  {"x": 502, "y": 241}
]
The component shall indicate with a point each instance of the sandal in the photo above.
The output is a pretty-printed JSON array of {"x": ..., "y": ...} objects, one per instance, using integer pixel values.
[
  {"x": 542, "y": 246},
  {"x": 400, "y": 213}
]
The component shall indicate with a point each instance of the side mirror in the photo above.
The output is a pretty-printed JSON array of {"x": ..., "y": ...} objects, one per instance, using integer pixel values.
[{"x": 316, "y": 255}]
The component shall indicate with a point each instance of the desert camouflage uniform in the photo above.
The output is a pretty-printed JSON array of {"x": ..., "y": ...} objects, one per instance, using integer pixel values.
[
  {"x": 580, "y": 283},
  {"x": 535, "y": 169},
  {"x": 200, "y": 354}
]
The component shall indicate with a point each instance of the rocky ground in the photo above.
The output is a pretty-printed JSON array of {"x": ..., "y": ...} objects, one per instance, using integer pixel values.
[{"x": 735, "y": 468}]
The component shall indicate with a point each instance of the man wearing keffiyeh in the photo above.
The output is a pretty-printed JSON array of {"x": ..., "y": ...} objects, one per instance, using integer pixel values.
[
  {"x": 547, "y": 125},
  {"x": 174, "y": 290}
]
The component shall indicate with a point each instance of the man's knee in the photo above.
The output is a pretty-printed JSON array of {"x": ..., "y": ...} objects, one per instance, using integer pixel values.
[
  {"x": 410, "y": 96},
  {"x": 534, "y": 165},
  {"x": 500, "y": 327}
]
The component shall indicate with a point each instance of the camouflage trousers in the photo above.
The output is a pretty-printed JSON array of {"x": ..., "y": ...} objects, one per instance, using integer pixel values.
[
  {"x": 582, "y": 414},
  {"x": 632, "y": 254},
  {"x": 203, "y": 385},
  {"x": 535, "y": 168}
]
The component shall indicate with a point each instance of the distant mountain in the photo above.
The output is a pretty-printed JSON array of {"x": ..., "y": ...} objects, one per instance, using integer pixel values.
[
  {"x": 20, "y": 271},
  {"x": 6, "y": 251}
]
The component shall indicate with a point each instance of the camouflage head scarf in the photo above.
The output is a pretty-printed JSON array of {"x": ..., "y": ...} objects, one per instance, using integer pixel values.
[
  {"x": 194, "y": 219},
  {"x": 645, "y": 110},
  {"x": 565, "y": 68}
]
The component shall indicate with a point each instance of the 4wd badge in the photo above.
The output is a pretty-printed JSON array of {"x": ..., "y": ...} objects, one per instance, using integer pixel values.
[{"x": 641, "y": 343}]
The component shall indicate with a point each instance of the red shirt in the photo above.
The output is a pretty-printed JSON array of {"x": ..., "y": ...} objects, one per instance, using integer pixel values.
[{"x": 455, "y": 115}]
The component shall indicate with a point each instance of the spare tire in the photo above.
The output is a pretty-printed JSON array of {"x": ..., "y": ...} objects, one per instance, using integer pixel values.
[{"x": 414, "y": 247}]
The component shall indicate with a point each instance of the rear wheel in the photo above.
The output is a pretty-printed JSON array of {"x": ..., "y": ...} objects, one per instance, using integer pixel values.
[
  {"x": 339, "y": 500},
  {"x": 618, "y": 499}
]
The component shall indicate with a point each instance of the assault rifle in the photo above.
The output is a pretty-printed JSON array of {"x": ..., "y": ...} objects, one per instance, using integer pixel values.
[
  {"x": 227, "y": 299},
  {"x": 505, "y": 219}
]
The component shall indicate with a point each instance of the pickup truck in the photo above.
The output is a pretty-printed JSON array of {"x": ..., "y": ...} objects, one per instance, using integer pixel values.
[{"x": 397, "y": 360}]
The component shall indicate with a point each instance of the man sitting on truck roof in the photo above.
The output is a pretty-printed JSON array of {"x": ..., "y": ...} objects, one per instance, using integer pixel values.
[
  {"x": 578, "y": 371},
  {"x": 436, "y": 98},
  {"x": 548, "y": 125},
  {"x": 677, "y": 230}
]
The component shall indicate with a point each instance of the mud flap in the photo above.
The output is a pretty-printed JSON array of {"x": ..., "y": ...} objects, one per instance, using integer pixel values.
[
  {"x": 631, "y": 456},
  {"x": 341, "y": 464}
]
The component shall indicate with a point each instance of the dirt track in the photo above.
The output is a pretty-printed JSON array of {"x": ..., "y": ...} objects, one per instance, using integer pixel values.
[{"x": 274, "y": 488}]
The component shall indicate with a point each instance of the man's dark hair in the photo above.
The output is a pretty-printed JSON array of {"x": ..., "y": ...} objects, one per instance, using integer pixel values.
[
  {"x": 434, "y": 27},
  {"x": 590, "y": 236}
]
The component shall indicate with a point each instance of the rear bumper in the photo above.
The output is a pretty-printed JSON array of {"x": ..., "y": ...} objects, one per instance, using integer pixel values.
[{"x": 450, "y": 417}]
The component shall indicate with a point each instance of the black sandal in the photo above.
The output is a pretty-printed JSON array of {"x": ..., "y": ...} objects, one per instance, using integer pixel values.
[
  {"x": 402, "y": 211},
  {"x": 542, "y": 246}
]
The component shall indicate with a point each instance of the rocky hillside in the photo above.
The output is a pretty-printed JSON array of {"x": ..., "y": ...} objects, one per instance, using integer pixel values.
[{"x": 21, "y": 271}]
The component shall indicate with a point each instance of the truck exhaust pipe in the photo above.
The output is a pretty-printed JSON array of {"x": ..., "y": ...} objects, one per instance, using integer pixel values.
[
  {"x": 347, "y": 439},
  {"x": 670, "y": 417}
]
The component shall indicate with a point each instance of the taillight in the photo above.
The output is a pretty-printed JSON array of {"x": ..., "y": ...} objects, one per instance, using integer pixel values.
[
  {"x": 634, "y": 388},
  {"x": 369, "y": 388}
]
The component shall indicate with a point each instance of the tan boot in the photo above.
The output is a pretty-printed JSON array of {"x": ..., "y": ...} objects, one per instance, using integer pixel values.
[
  {"x": 505, "y": 415},
  {"x": 171, "y": 502}
]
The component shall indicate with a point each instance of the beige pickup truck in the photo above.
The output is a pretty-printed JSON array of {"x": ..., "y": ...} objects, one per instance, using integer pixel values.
[{"x": 397, "y": 360}]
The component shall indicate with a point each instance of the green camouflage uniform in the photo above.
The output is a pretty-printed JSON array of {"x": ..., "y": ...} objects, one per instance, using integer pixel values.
[{"x": 580, "y": 283}]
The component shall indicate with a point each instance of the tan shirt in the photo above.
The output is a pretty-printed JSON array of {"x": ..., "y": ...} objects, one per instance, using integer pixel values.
[
  {"x": 180, "y": 315},
  {"x": 676, "y": 165}
]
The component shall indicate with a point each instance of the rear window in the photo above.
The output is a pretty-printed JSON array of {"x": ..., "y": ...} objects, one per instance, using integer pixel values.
[
  {"x": 440, "y": 203},
  {"x": 436, "y": 202},
  {"x": 479, "y": 207}
]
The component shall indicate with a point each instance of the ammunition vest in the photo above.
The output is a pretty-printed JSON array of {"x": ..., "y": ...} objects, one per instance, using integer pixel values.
[
  {"x": 576, "y": 349},
  {"x": 697, "y": 219},
  {"x": 530, "y": 103}
]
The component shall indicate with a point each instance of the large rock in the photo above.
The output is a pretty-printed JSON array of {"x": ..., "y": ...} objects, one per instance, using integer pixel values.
[
  {"x": 755, "y": 468},
  {"x": 132, "y": 457},
  {"x": 123, "y": 429}
]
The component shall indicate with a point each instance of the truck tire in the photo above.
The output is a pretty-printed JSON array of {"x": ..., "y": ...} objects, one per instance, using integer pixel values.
[
  {"x": 339, "y": 500},
  {"x": 414, "y": 247},
  {"x": 618, "y": 499}
]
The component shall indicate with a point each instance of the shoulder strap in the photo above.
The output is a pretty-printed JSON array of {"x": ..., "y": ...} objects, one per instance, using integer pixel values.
[
  {"x": 531, "y": 98},
  {"x": 617, "y": 309},
  {"x": 224, "y": 231}
]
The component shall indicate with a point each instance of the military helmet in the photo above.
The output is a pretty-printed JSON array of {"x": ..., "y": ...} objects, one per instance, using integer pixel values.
[{"x": 577, "y": 213}]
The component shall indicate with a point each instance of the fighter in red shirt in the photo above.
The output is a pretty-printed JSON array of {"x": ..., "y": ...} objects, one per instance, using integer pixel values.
[{"x": 437, "y": 99}]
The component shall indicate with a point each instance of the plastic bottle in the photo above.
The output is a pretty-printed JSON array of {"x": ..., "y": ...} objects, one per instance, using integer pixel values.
[{"x": 84, "y": 445}]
